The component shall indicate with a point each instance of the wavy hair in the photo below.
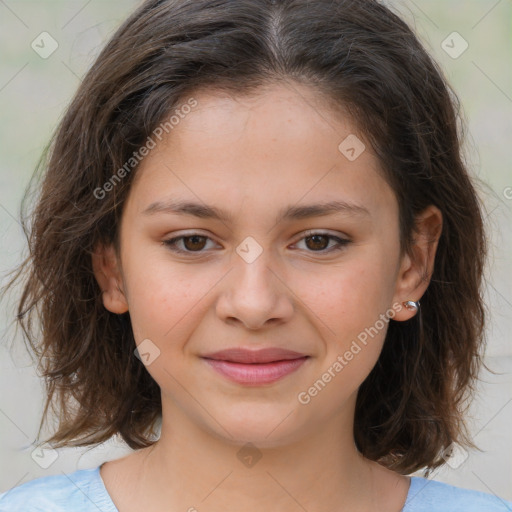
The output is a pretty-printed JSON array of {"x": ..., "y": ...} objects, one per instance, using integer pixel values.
[{"x": 363, "y": 58}]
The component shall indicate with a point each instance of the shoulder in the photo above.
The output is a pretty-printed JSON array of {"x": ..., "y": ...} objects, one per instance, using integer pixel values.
[
  {"x": 434, "y": 496},
  {"x": 81, "y": 491}
]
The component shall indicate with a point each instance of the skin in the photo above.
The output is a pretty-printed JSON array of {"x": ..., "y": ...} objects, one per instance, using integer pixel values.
[{"x": 253, "y": 156}]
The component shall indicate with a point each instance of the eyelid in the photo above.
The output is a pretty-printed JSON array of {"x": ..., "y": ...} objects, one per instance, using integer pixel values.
[
  {"x": 319, "y": 231},
  {"x": 171, "y": 242},
  {"x": 341, "y": 240}
]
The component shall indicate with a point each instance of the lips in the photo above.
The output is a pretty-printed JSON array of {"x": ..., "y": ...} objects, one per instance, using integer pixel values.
[
  {"x": 255, "y": 367},
  {"x": 246, "y": 356}
]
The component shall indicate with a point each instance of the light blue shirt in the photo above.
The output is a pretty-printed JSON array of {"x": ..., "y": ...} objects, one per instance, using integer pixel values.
[{"x": 84, "y": 491}]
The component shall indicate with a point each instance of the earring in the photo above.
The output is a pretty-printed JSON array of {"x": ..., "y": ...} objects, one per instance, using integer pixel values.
[{"x": 411, "y": 305}]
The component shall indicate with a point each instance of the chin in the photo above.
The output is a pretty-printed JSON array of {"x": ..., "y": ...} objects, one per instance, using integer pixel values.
[{"x": 267, "y": 426}]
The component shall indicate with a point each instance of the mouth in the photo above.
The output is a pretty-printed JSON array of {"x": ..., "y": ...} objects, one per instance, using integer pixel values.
[
  {"x": 243, "y": 355},
  {"x": 253, "y": 368}
]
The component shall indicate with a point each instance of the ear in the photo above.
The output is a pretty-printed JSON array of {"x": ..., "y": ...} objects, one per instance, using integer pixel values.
[
  {"x": 106, "y": 269},
  {"x": 416, "y": 268}
]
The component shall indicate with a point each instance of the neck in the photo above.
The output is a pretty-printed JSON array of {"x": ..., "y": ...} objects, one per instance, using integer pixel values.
[{"x": 193, "y": 469}]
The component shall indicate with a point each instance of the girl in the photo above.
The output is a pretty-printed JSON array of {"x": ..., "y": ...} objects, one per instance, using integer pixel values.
[{"x": 243, "y": 207}]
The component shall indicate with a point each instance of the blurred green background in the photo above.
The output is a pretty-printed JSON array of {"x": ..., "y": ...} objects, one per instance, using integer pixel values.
[{"x": 34, "y": 92}]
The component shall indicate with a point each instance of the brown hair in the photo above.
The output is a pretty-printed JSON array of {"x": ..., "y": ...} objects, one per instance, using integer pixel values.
[{"x": 361, "y": 56}]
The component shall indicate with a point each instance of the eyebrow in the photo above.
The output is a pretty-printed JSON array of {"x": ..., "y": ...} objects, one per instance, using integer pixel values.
[{"x": 289, "y": 213}]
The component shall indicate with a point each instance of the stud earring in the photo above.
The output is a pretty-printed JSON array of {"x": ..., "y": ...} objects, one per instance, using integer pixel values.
[{"x": 411, "y": 305}]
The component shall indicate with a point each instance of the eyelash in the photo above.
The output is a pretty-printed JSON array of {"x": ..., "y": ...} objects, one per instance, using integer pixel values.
[{"x": 342, "y": 243}]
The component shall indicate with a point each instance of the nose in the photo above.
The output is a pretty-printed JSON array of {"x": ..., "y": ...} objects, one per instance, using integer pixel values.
[{"x": 254, "y": 294}]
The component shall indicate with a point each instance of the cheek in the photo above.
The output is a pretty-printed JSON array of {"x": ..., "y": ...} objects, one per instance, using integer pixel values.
[
  {"x": 348, "y": 296},
  {"x": 349, "y": 304},
  {"x": 164, "y": 297}
]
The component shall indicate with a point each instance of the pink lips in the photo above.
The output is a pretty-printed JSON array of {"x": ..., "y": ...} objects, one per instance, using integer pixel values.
[{"x": 255, "y": 367}]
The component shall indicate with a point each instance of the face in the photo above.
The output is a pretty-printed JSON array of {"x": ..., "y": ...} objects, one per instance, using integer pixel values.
[{"x": 270, "y": 272}]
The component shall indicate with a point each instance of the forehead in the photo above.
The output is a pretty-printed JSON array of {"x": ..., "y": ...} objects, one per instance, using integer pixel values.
[
  {"x": 276, "y": 115},
  {"x": 284, "y": 145}
]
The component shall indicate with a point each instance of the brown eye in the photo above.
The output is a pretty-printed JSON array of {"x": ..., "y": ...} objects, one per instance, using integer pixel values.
[
  {"x": 319, "y": 242},
  {"x": 190, "y": 243},
  {"x": 194, "y": 243}
]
